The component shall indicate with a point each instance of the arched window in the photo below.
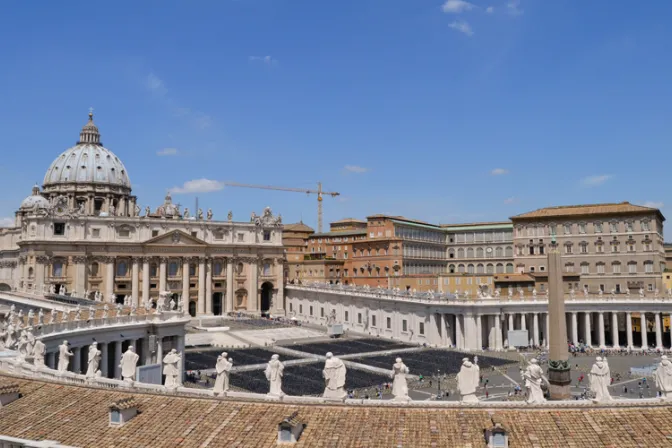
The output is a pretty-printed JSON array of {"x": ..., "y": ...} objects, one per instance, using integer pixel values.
[
  {"x": 172, "y": 269},
  {"x": 451, "y": 253},
  {"x": 509, "y": 268},
  {"x": 94, "y": 269},
  {"x": 31, "y": 272},
  {"x": 499, "y": 252},
  {"x": 460, "y": 253},
  {"x": 57, "y": 269},
  {"x": 480, "y": 269},
  {"x": 509, "y": 251},
  {"x": 451, "y": 268},
  {"x": 499, "y": 268},
  {"x": 480, "y": 253},
  {"x": 460, "y": 268},
  {"x": 122, "y": 269},
  {"x": 490, "y": 268},
  {"x": 470, "y": 268},
  {"x": 470, "y": 253}
]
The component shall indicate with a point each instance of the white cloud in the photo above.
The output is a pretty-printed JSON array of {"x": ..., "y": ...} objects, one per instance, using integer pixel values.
[
  {"x": 596, "y": 180},
  {"x": 457, "y": 6},
  {"x": 462, "y": 27},
  {"x": 155, "y": 84},
  {"x": 167, "y": 152},
  {"x": 511, "y": 200},
  {"x": 356, "y": 169},
  {"x": 198, "y": 186},
  {"x": 490, "y": 9},
  {"x": 654, "y": 204},
  {"x": 513, "y": 7},
  {"x": 7, "y": 222},
  {"x": 499, "y": 171},
  {"x": 268, "y": 60}
]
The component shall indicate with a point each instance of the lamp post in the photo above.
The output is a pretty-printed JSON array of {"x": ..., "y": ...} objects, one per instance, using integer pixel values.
[{"x": 438, "y": 383}]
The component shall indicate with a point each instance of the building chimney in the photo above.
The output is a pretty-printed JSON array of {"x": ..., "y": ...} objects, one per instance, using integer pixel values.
[
  {"x": 121, "y": 411},
  {"x": 290, "y": 429},
  {"x": 8, "y": 393}
]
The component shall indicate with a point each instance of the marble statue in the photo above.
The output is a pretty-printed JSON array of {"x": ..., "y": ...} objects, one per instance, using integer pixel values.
[
  {"x": 663, "y": 376},
  {"x": 129, "y": 361},
  {"x": 78, "y": 312},
  {"x": 93, "y": 360},
  {"x": 534, "y": 293},
  {"x": 111, "y": 210},
  {"x": 22, "y": 345},
  {"x": 92, "y": 312},
  {"x": 148, "y": 306},
  {"x": 641, "y": 293},
  {"x": 627, "y": 292},
  {"x": 54, "y": 315},
  {"x": 209, "y": 214},
  {"x": 334, "y": 376},
  {"x": 20, "y": 315},
  {"x": 31, "y": 316},
  {"x": 467, "y": 381},
  {"x": 600, "y": 378},
  {"x": 147, "y": 211},
  {"x": 273, "y": 373},
  {"x": 585, "y": 291},
  {"x": 534, "y": 376},
  {"x": 106, "y": 311},
  {"x": 10, "y": 336},
  {"x": 73, "y": 293},
  {"x": 52, "y": 289},
  {"x": 64, "y": 355},
  {"x": 39, "y": 352},
  {"x": 96, "y": 296},
  {"x": 86, "y": 293},
  {"x": 119, "y": 307},
  {"x": 171, "y": 368},
  {"x": 510, "y": 294},
  {"x": 137, "y": 210},
  {"x": 31, "y": 340},
  {"x": 229, "y": 216},
  {"x": 3, "y": 335},
  {"x": 185, "y": 213},
  {"x": 82, "y": 208},
  {"x": 199, "y": 214},
  {"x": 223, "y": 368},
  {"x": 133, "y": 310},
  {"x": 112, "y": 297},
  {"x": 399, "y": 385},
  {"x": 521, "y": 292},
  {"x": 171, "y": 304},
  {"x": 656, "y": 292},
  {"x": 498, "y": 292}
]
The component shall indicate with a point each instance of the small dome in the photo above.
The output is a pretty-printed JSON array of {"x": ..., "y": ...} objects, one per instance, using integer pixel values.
[
  {"x": 35, "y": 200},
  {"x": 168, "y": 209},
  {"x": 88, "y": 162}
]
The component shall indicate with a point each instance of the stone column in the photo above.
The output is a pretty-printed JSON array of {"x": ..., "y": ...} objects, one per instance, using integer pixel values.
[
  {"x": 145, "y": 280},
  {"x": 201, "y": 286},
  {"x": 40, "y": 262},
  {"x": 117, "y": 359},
  {"x": 575, "y": 329},
  {"x": 80, "y": 274},
  {"x": 559, "y": 373},
  {"x": 109, "y": 278},
  {"x": 208, "y": 287},
  {"x": 104, "y": 370},
  {"x": 642, "y": 330},
  {"x": 229, "y": 285},
  {"x": 442, "y": 328},
  {"x": 135, "y": 281},
  {"x": 185, "y": 284},
  {"x": 180, "y": 350},
  {"x": 614, "y": 329},
  {"x": 162, "y": 274},
  {"x": 659, "y": 332},
  {"x": 159, "y": 351},
  {"x": 498, "y": 333},
  {"x": 254, "y": 285},
  {"x": 588, "y": 336},
  {"x": 523, "y": 322},
  {"x": 628, "y": 329},
  {"x": 548, "y": 324},
  {"x": 600, "y": 329},
  {"x": 535, "y": 329},
  {"x": 479, "y": 332},
  {"x": 458, "y": 333},
  {"x": 77, "y": 360}
]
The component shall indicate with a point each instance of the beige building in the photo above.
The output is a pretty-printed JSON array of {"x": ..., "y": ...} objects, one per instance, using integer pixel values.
[
  {"x": 480, "y": 248},
  {"x": 85, "y": 231},
  {"x": 615, "y": 247}
]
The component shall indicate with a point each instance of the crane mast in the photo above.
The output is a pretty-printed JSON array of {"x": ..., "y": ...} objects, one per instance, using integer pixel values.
[{"x": 319, "y": 192}]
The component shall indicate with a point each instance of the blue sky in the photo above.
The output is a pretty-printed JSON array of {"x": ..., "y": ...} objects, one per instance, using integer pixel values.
[{"x": 446, "y": 111}]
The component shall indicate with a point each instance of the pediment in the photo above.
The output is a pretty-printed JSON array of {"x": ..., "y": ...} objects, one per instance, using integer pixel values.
[{"x": 175, "y": 238}]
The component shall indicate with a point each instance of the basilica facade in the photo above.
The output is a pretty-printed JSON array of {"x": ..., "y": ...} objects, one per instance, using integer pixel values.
[{"x": 85, "y": 232}]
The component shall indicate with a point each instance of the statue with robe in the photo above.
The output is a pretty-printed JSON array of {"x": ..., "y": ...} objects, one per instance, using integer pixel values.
[
  {"x": 467, "y": 381},
  {"x": 171, "y": 369},
  {"x": 534, "y": 377},
  {"x": 600, "y": 379},
  {"x": 39, "y": 352},
  {"x": 273, "y": 373},
  {"x": 40, "y": 317},
  {"x": 93, "y": 360},
  {"x": 199, "y": 214},
  {"x": 22, "y": 345},
  {"x": 129, "y": 361},
  {"x": 334, "y": 376},
  {"x": 10, "y": 337},
  {"x": 663, "y": 376},
  {"x": 223, "y": 368},
  {"x": 185, "y": 213},
  {"x": 31, "y": 340},
  {"x": 64, "y": 355},
  {"x": 54, "y": 315},
  {"x": 209, "y": 214},
  {"x": 399, "y": 385}
]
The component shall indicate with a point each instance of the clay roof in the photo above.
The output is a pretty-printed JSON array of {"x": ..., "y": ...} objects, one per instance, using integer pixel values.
[
  {"x": 8, "y": 387},
  {"x": 124, "y": 403},
  {"x": 348, "y": 220},
  {"x": 297, "y": 227},
  {"x": 584, "y": 210},
  {"x": 78, "y": 416},
  {"x": 477, "y": 224}
]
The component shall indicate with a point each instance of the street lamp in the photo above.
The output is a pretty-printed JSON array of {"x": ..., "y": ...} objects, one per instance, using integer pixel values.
[{"x": 438, "y": 384}]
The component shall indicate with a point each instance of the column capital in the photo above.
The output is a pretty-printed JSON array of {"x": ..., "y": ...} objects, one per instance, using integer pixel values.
[
  {"x": 79, "y": 259},
  {"x": 163, "y": 260},
  {"x": 43, "y": 259},
  {"x": 146, "y": 258}
]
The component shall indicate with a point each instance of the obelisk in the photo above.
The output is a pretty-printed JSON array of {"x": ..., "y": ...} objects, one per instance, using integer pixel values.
[{"x": 558, "y": 356}]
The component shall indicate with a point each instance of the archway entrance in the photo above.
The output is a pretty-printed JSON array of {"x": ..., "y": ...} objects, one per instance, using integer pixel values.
[
  {"x": 192, "y": 308},
  {"x": 119, "y": 299},
  {"x": 217, "y": 304},
  {"x": 266, "y": 298},
  {"x": 5, "y": 287}
]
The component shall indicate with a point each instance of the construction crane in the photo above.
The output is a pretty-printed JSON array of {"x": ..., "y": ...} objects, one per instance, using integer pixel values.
[{"x": 318, "y": 192}]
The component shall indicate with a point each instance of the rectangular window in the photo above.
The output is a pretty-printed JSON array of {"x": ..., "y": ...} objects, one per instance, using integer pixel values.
[
  {"x": 300, "y": 309},
  {"x": 568, "y": 249},
  {"x": 600, "y": 269},
  {"x": 421, "y": 328},
  {"x": 585, "y": 269},
  {"x": 568, "y": 229},
  {"x": 598, "y": 227},
  {"x": 404, "y": 325},
  {"x": 616, "y": 268},
  {"x": 241, "y": 237},
  {"x": 613, "y": 227},
  {"x": 267, "y": 269},
  {"x": 359, "y": 318},
  {"x": 582, "y": 228},
  {"x": 321, "y": 311},
  {"x": 59, "y": 228},
  {"x": 645, "y": 226},
  {"x": 628, "y": 226},
  {"x": 389, "y": 323},
  {"x": 311, "y": 310},
  {"x": 291, "y": 308},
  {"x": 155, "y": 233},
  {"x": 95, "y": 233},
  {"x": 632, "y": 268},
  {"x": 373, "y": 320},
  {"x": 347, "y": 316},
  {"x": 541, "y": 250},
  {"x": 614, "y": 248},
  {"x": 648, "y": 268},
  {"x": 584, "y": 248}
]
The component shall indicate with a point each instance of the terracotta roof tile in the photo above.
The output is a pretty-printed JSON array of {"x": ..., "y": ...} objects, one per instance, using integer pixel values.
[{"x": 582, "y": 210}]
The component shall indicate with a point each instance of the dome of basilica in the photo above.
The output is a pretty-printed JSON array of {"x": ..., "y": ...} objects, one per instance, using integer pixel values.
[
  {"x": 35, "y": 201},
  {"x": 88, "y": 162}
]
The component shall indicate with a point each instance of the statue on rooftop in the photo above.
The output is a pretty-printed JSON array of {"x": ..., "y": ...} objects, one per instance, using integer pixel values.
[
  {"x": 129, "y": 361},
  {"x": 106, "y": 311},
  {"x": 209, "y": 214},
  {"x": 229, "y": 216},
  {"x": 467, "y": 381},
  {"x": 600, "y": 379},
  {"x": 510, "y": 294},
  {"x": 199, "y": 214},
  {"x": 147, "y": 211},
  {"x": 273, "y": 372},
  {"x": 31, "y": 316},
  {"x": 22, "y": 345},
  {"x": 112, "y": 210},
  {"x": 10, "y": 336},
  {"x": 534, "y": 376},
  {"x": 185, "y": 213},
  {"x": 334, "y": 375},
  {"x": 534, "y": 294},
  {"x": 64, "y": 355},
  {"x": 52, "y": 289},
  {"x": 93, "y": 360},
  {"x": 641, "y": 293},
  {"x": 223, "y": 368},
  {"x": 399, "y": 385},
  {"x": 39, "y": 352},
  {"x": 663, "y": 376},
  {"x": 78, "y": 312},
  {"x": 171, "y": 369},
  {"x": 137, "y": 210}
]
